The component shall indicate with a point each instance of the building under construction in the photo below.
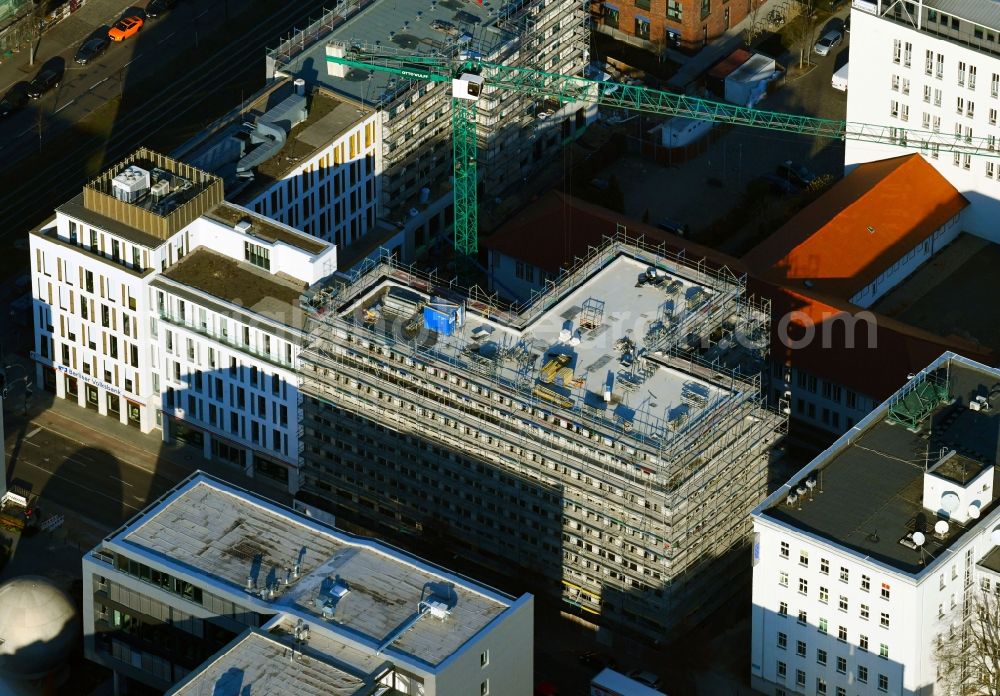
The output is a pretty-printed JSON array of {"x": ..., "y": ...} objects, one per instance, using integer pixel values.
[
  {"x": 607, "y": 440},
  {"x": 516, "y": 133}
]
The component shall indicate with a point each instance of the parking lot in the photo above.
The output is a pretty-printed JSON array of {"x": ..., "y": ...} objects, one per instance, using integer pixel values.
[{"x": 701, "y": 190}]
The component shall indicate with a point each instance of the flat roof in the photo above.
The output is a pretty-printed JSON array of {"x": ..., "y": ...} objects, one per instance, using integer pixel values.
[
  {"x": 168, "y": 196},
  {"x": 593, "y": 336},
  {"x": 869, "y": 485},
  {"x": 991, "y": 561},
  {"x": 260, "y": 664},
  {"x": 328, "y": 117},
  {"x": 267, "y": 229},
  {"x": 271, "y": 295},
  {"x": 226, "y": 534},
  {"x": 942, "y": 296},
  {"x": 403, "y": 26}
]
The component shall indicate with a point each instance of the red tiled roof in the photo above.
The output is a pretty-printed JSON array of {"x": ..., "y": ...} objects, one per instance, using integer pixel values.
[
  {"x": 869, "y": 219},
  {"x": 866, "y": 352}
]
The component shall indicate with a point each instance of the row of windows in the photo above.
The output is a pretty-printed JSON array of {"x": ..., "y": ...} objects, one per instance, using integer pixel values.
[
  {"x": 120, "y": 252},
  {"x": 784, "y": 551},
  {"x": 163, "y": 580},
  {"x": 822, "y": 686},
  {"x": 255, "y": 340},
  {"x": 801, "y": 648}
]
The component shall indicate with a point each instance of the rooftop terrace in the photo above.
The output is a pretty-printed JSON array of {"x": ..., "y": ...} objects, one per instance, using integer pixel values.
[
  {"x": 869, "y": 484},
  {"x": 267, "y": 229},
  {"x": 606, "y": 345},
  {"x": 273, "y": 296},
  {"x": 345, "y": 586}
]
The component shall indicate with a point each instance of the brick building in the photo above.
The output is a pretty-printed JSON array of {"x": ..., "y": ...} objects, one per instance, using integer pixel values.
[{"x": 661, "y": 24}]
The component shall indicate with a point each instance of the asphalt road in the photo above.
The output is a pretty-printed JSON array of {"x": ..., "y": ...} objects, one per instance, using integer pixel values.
[
  {"x": 136, "y": 61},
  {"x": 82, "y": 477}
]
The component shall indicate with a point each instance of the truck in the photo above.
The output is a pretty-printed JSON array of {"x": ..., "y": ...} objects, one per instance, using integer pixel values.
[
  {"x": 612, "y": 683},
  {"x": 17, "y": 508},
  {"x": 839, "y": 80}
]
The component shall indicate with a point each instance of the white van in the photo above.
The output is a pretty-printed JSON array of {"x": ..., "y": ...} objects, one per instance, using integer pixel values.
[{"x": 839, "y": 80}]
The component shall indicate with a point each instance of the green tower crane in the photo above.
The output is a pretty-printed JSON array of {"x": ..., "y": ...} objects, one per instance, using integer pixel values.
[{"x": 470, "y": 76}]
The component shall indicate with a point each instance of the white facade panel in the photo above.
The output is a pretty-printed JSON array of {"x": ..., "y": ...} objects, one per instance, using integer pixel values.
[
  {"x": 108, "y": 339},
  {"x": 334, "y": 194},
  {"x": 915, "y": 80}
]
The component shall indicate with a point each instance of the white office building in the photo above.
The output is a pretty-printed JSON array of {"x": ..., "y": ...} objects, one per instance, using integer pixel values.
[
  {"x": 160, "y": 305},
  {"x": 863, "y": 561},
  {"x": 215, "y": 590},
  {"x": 931, "y": 65}
]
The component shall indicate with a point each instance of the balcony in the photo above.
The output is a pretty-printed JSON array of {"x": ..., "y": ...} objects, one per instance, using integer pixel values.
[{"x": 224, "y": 339}]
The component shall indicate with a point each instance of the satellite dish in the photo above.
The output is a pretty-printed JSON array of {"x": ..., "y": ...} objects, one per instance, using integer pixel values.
[
  {"x": 811, "y": 483},
  {"x": 974, "y": 511},
  {"x": 941, "y": 527},
  {"x": 919, "y": 538},
  {"x": 949, "y": 501},
  {"x": 995, "y": 536},
  {"x": 801, "y": 490}
]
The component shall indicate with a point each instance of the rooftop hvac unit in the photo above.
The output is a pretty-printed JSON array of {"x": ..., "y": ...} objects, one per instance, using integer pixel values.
[
  {"x": 339, "y": 589},
  {"x": 438, "y": 609},
  {"x": 160, "y": 189},
  {"x": 130, "y": 184},
  {"x": 243, "y": 226}
]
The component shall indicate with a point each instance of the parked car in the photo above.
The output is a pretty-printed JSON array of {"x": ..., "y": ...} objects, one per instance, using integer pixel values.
[
  {"x": 47, "y": 78},
  {"x": 14, "y": 100},
  {"x": 92, "y": 48},
  {"x": 673, "y": 226},
  {"x": 159, "y": 7},
  {"x": 779, "y": 184},
  {"x": 795, "y": 173},
  {"x": 830, "y": 39},
  {"x": 125, "y": 28}
]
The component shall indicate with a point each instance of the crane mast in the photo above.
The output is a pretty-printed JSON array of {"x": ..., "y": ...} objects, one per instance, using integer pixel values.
[{"x": 470, "y": 76}]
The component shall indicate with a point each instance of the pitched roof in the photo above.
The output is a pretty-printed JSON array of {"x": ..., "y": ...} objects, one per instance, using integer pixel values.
[
  {"x": 556, "y": 228},
  {"x": 865, "y": 352},
  {"x": 867, "y": 221}
]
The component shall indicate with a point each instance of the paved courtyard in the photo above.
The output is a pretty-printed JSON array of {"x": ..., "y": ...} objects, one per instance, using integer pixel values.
[{"x": 701, "y": 190}]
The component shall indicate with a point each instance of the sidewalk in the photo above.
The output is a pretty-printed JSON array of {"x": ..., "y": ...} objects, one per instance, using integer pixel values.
[
  {"x": 67, "y": 34},
  {"x": 693, "y": 66},
  {"x": 173, "y": 461}
]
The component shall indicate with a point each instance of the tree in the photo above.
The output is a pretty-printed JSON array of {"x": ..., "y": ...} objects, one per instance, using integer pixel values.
[
  {"x": 804, "y": 30},
  {"x": 36, "y": 22},
  {"x": 753, "y": 27},
  {"x": 967, "y": 650}
]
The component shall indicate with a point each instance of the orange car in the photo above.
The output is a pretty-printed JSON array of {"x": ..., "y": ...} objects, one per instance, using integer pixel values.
[{"x": 124, "y": 28}]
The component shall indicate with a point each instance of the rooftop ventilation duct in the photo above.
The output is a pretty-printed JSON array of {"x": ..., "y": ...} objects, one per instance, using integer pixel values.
[{"x": 271, "y": 131}]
